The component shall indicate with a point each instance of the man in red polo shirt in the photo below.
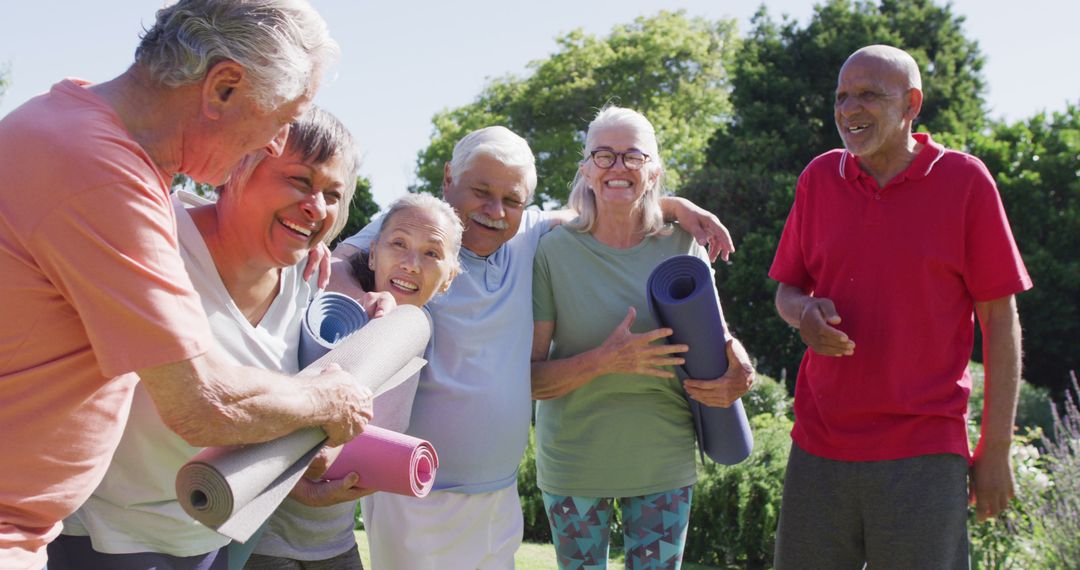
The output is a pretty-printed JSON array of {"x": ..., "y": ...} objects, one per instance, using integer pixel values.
[{"x": 891, "y": 247}]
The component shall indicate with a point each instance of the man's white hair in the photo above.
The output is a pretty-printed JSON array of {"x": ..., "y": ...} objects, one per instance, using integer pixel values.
[
  {"x": 499, "y": 143},
  {"x": 282, "y": 44}
]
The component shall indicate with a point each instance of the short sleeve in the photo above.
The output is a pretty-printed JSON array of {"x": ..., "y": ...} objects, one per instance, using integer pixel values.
[
  {"x": 363, "y": 238},
  {"x": 543, "y": 298},
  {"x": 789, "y": 264},
  {"x": 112, "y": 253},
  {"x": 992, "y": 267}
]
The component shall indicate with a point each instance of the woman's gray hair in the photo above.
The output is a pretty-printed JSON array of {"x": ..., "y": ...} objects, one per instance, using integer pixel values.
[
  {"x": 429, "y": 203},
  {"x": 282, "y": 44},
  {"x": 317, "y": 137},
  {"x": 499, "y": 143},
  {"x": 582, "y": 199}
]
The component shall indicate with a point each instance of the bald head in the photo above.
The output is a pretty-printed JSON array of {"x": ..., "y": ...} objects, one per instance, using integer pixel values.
[{"x": 894, "y": 61}]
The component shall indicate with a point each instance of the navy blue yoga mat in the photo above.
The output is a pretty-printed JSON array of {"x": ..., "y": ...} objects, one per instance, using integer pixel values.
[
  {"x": 682, "y": 296},
  {"x": 329, "y": 319}
]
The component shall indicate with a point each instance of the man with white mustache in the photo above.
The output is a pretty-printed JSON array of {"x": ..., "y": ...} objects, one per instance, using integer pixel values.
[
  {"x": 892, "y": 243},
  {"x": 474, "y": 398}
]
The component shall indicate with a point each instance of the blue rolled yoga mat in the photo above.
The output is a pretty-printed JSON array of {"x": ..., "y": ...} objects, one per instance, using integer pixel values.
[
  {"x": 329, "y": 319},
  {"x": 682, "y": 296}
]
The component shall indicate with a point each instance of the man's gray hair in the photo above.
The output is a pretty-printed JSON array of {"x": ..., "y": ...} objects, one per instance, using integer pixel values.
[
  {"x": 427, "y": 202},
  {"x": 582, "y": 198},
  {"x": 499, "y": 143},
  {"x": 282, "y": 44}
]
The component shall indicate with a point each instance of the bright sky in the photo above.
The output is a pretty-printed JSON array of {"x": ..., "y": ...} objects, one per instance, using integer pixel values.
[{"x": 402, "y": 62}]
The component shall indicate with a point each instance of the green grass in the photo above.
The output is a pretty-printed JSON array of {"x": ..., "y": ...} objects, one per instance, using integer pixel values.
[{"x": 531, "y": 556}]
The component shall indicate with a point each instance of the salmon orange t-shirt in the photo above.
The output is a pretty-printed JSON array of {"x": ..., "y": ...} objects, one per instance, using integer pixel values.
[{"x": 92, "y": 289}]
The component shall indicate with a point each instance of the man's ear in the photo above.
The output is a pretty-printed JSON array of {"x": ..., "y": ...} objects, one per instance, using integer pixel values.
[
  {"x": 220, "y": 87},
  {"x": 915, "y": 101},
  {"x": 447, "y": 178}
]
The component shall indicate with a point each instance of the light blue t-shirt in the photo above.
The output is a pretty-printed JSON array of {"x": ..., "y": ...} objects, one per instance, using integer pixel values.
[{"x": 474, "y": 399}]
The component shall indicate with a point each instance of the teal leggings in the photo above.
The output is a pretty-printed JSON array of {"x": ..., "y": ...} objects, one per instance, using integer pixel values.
[{"x": 654, "y": 529}]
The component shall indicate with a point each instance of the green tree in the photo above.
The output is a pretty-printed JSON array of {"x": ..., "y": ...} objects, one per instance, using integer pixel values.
[
  {"x": 783, "y": 80},
  {"x": 361, "y": 209},
  {"x": 5, "y": 80},
  {"x": 669, "y": 67},
  {"x": 1036, "y": 163}
]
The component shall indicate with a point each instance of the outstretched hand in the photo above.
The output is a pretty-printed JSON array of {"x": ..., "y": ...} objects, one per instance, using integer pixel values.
[
  {"x": 817, "y": 329},
  {"x": 627, "y": 352},
  {"x": 723, "y": 391}
]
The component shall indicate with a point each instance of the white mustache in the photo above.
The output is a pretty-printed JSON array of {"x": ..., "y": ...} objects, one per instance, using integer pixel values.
[{"x": 482, "y": 219}]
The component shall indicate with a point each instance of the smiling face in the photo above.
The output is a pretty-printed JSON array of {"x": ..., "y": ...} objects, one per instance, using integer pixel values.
[
  {"x": 618, "y": 184},
  {"x": 413, "y": 258},
  {"x": 286, "y": 207},
  {"x": 490, "y": 197},
  {"x": 874, "y": 108}
]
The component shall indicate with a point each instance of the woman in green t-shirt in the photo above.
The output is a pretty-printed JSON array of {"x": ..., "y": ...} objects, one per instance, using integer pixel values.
[{"x": 612, "y": 421}]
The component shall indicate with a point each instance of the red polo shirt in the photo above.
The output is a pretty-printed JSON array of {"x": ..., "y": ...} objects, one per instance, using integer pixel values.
[{"x": 904, "y": 265}]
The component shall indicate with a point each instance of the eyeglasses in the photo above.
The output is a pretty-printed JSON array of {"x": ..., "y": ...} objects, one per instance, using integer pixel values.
[{"x": 631, "y": 159}]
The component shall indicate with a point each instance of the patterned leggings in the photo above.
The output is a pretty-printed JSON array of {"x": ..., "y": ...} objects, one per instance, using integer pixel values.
[{"x": 654, "y": 529}]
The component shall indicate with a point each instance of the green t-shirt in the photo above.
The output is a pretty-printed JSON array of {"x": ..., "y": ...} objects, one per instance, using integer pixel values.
[{"x": 620, "y": 435}]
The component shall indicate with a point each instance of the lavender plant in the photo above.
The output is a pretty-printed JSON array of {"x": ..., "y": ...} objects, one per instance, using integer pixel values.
[{"x": 1057, "y": 517}]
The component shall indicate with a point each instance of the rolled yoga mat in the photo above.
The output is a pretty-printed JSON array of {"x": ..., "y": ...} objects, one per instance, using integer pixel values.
[
  {"x": 388, "y": 461},
  {"x": 329, "y": 319},
  {"x": 682, "y": 297},
  {"x": 235, "y": 489}
]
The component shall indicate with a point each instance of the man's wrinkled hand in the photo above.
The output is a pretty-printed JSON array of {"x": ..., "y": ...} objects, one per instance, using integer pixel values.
[
  {"x": 348, "y": 404},
  {"x": 706, "y": 229},
  {"x": 991, "y": 487},
  {"x": 816, "y": 328}
]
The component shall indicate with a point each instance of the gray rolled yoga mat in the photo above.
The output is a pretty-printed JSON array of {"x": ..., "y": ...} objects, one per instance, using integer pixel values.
[
  {"x": 682, "y": 297},
  {"x": 235, "y": 489}
]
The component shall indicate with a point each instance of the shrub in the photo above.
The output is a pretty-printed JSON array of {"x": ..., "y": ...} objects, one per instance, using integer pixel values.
[
  {"x": 1034, "y": 409},
  {"x": 1057, "y": 514},
  {"x": 736, "y": 508},
  {"x": 532, "y": 502}
]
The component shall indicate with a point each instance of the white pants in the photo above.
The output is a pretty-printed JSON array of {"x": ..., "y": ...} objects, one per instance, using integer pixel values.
[{"x": 443, "y": 531}]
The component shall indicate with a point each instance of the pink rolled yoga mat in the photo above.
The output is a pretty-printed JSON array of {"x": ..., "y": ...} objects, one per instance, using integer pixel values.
[{"x": 388, "y": 461}]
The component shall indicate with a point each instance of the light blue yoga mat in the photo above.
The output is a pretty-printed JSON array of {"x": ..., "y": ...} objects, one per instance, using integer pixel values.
[
  {"x": 682, "y": 296},
  {"x": 329, "y": 319}
]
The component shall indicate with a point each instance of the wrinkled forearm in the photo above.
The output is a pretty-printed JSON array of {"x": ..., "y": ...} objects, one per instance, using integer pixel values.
[
  {"x": 556, "y": 378},
  {"x": 210, "y": 403}
]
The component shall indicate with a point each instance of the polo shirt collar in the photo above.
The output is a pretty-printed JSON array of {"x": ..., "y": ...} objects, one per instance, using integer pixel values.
[{"x": 919, "y": 168}]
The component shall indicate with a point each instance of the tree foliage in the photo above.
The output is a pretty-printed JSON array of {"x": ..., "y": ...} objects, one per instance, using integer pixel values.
[
  {"x": 361, "y": 209},
  {"x": 669, "y": 67},
  {"x": 5, "y": 80},
  {"x": 783, "y": 80},
  {"x": 1037, "y": 167}
]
